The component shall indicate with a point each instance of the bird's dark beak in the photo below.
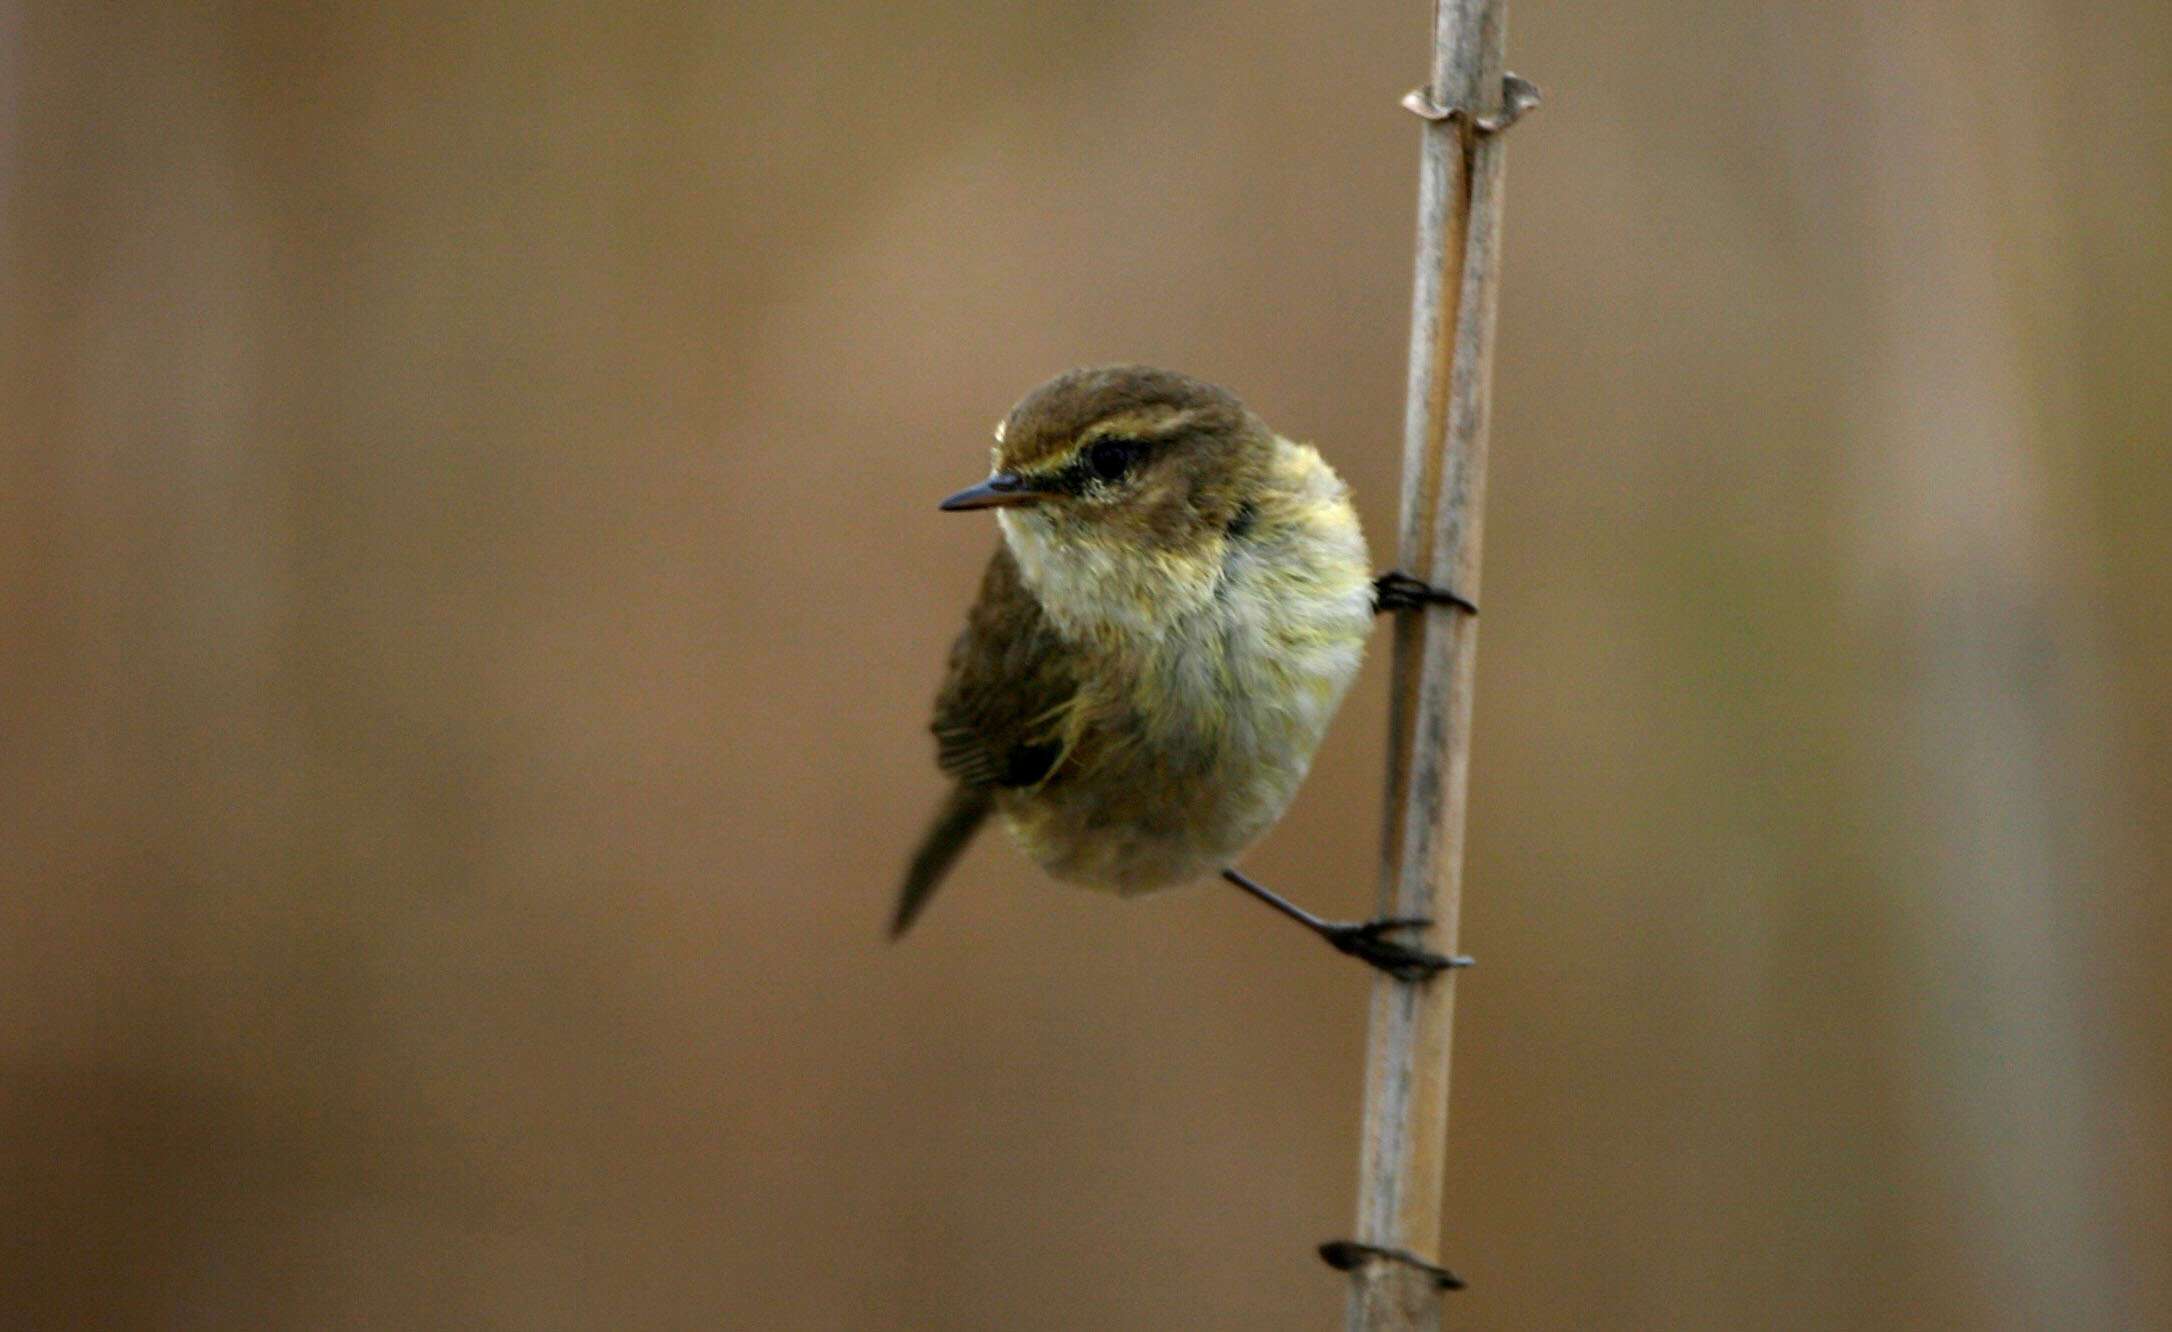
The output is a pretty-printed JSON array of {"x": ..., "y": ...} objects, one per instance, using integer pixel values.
[{"x": 998, "y": 491}]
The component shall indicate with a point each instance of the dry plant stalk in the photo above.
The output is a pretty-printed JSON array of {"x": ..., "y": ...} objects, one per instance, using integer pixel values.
[{"x": 1444, "y": 470}]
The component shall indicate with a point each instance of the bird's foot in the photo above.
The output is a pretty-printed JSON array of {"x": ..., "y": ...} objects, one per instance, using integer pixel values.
[
  {"x": 1367, "y": 941},
  {"x": 1398, "y": 591},
  {"x": 1350, "y": 1255}
]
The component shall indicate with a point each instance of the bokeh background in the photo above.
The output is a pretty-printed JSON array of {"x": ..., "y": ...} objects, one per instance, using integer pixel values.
[{"x": 472, "y": 594}]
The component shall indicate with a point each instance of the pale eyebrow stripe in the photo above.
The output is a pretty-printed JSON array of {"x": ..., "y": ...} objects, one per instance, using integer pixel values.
[
  {"x": 1141, "y": 427},
  {"x": 1132, "y": 426},
  {"x": 1183, "y": 420}
]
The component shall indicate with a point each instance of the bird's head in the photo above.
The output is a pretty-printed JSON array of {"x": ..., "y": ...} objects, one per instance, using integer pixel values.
[{"x": 1126, "y": 455}]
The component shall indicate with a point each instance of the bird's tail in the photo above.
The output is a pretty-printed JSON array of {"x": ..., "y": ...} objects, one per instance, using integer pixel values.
[{"x": 960, "y": 817}]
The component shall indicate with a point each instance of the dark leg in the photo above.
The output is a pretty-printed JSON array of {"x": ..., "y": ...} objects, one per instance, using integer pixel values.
[
  {"x": 1364, "y": 939},
  {"x": 1396, "y": 591},
  {"x": 1349, "y": 1255}
]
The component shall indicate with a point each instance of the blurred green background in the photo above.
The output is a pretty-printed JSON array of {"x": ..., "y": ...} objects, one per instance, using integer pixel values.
[{"x": 472, "y": 594}]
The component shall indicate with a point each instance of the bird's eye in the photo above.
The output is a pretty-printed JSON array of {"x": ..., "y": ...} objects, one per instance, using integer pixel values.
[{"x": 1111, "y": 458}]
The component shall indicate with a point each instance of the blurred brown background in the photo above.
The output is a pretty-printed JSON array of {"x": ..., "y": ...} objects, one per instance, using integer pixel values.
[{"x": 473, "y": 591}]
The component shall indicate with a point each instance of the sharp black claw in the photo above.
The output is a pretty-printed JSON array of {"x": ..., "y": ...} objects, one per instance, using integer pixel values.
[
  {"x": 1366, "y": 941},
  {"x": 1396, "y": 590},
  {"x": 1362, "y": 939},
  {"x": 1382, "y": 924},
  {"x": 1349, "y": 1255}
]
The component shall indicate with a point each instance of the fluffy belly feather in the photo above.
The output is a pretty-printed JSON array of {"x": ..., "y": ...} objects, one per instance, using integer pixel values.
[{"x": 1198, "y": 740}]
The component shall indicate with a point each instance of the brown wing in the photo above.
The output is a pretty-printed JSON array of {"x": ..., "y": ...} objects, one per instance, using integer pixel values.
[
  {"x": 997, "y": 722},
  {"x": 999, "y": 716}
]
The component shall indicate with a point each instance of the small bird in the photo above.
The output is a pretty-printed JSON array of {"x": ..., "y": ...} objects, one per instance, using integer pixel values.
[{"x": 1180, "y": 599}]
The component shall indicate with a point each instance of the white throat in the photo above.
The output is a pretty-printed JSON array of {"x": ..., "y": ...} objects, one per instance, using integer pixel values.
[{"x": 1089, "y": 587}]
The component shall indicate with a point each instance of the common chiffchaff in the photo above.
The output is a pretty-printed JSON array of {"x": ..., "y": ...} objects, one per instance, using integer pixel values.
[{"x": 1179, "y": 602}]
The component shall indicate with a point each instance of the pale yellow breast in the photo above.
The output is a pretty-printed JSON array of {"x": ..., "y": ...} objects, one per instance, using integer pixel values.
[{"x": 1230, "y": 664}]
